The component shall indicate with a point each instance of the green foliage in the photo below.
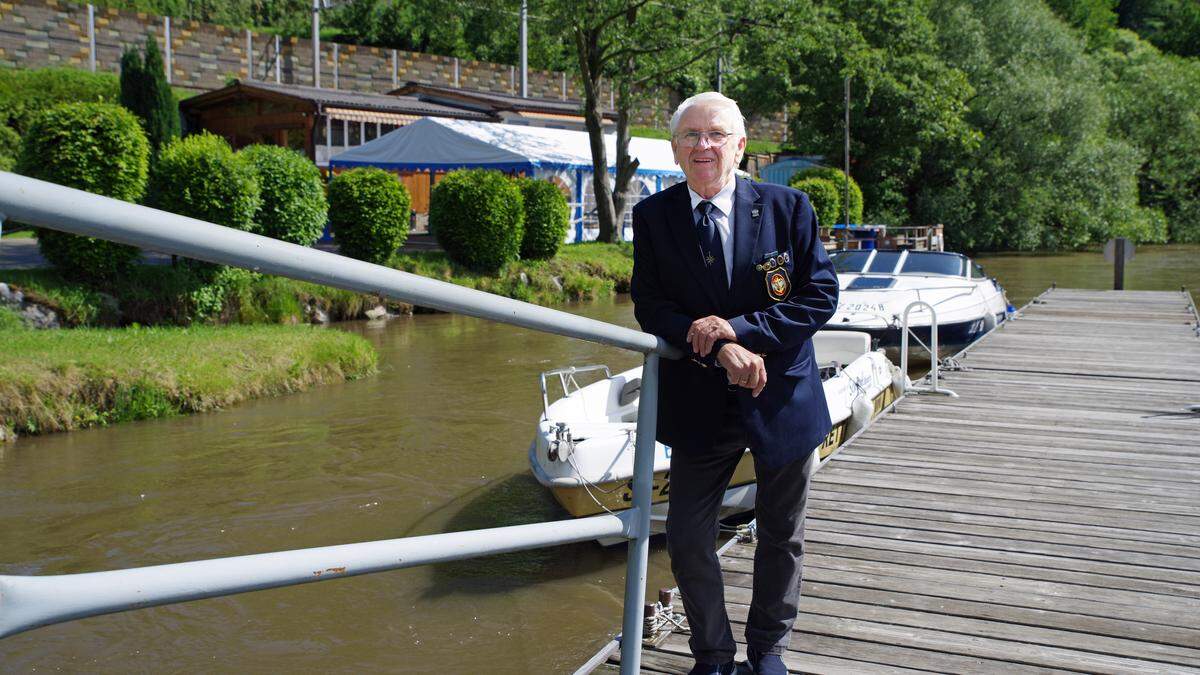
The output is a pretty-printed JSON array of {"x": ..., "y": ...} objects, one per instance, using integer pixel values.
[
  {"x": 1171, "y": 25},
  {"x": 24, "y": 94},
  {"x": 369, "y": 211},
  {"x": 478, "y": 218},
  {"x": 1155, "y": 100},
  {"x": 200, "y": 176},
  {"x": 838, "y": 179},
  {"x": 144, "y": 91},
  {"x": 1047, "y": 173},
  {"x": 97, "y": 147},
  {"x": 293, "y": 196},
  {"x": 547, "y": 218},
  {"x": 825, "y": 198},
  {"x": 10, "y": 147}
]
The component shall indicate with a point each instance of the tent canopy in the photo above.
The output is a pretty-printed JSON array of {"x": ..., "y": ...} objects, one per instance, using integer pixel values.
[{"x": 440, "y": 144}]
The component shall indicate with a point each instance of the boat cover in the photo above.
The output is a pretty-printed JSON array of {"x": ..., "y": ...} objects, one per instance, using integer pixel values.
[{"x": 441, "y": 144}]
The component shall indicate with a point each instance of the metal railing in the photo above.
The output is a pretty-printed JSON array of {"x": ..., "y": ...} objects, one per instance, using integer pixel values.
[
  {"x": 932, "y": 347},
  {"x": 27, "y": 602}
]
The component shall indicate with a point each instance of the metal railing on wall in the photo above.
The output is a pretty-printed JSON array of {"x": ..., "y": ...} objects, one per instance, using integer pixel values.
[{"x": 27, "y": 602}]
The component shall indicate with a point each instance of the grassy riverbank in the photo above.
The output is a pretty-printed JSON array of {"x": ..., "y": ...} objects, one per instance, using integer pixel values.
[
  {"x": 162, "y": 295},
  {"x": 58, "y": 380}
]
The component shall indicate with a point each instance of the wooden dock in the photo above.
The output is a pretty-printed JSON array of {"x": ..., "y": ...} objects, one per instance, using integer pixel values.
[{"x": 1047, "y": 520}]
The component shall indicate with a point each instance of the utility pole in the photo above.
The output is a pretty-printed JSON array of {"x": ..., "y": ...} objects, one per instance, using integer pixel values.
[
  {"x": 524, "y": 48},
  {"x": 846, "y": 159},
  {"x": 316, "y": 42}
]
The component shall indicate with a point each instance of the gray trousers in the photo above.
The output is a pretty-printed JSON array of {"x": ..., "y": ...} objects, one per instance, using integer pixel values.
[{"x": 698, "y": 482}]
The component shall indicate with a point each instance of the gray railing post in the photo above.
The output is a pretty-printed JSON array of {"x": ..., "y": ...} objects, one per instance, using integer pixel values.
[
  {"x": 932, "y": 347},
  {"x": 639, "y": 546}
]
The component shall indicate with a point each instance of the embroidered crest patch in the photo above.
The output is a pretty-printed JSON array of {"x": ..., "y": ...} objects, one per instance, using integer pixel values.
[{"x": 778, "y": 284}]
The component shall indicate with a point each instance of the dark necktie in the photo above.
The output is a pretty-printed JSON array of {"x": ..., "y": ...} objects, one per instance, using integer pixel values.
[{"x": 710, "y": 244}]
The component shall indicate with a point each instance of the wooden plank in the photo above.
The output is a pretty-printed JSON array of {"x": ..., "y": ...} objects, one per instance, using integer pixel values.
[
  {"x": 1183, "y": 511},
  {"x": 1113, "y": 486},
  {"x": 1016, "y": 508},
  {"x": 1118, "y": 536},
  {"x": 1022, "y": 644},
  {"x": 833, "y": 513},
  {"x": 1148, "y": 607}
]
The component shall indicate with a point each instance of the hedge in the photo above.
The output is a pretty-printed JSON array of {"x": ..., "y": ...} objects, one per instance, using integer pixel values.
[
  {"x": 293, "y": 205},
  {"x": 369, "y": 210},
  {"x": 547, "y": 217},
  {"x": 824, "y": 197},
  {"x": 478, "y": 217},
  {"x": 200, "y": 176},
  {"x": 839, "y": 180},
  {"x": 24, "y": 94},
  {"x": 97, "y": 147},
  {"x": 10, "y": 147}
]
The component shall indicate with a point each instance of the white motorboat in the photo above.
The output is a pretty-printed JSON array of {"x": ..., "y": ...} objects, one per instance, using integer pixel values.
[
  {"x": 876, "y": 286},
  {"x": 584, "y": 445}
]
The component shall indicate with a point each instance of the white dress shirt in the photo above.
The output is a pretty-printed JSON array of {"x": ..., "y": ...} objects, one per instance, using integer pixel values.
[{"x": 723, "y": 215}]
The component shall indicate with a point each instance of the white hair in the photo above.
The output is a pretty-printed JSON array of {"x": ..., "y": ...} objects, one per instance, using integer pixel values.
[{"x": 716, "y": 100}]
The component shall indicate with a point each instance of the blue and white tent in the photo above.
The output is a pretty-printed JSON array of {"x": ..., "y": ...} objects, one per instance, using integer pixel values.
[{"x": 560, "y": 155}]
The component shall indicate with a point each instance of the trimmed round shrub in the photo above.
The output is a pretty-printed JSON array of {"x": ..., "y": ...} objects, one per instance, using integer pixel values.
[
  {"x": 478, "y": 216},
  {"x": 97, "y": 147},
  {"x": 547, "y": 217},
  {"x": 293, "y": 204},
  {"x": 200, "y": 177},
  {"x": 369, "y": 213},
  {"x": 838, "y": 179},
  {"x": 824, "y": 197}
]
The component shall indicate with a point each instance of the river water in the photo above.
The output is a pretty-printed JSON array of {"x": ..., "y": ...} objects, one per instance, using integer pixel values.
[{"x": 435, "y": 443}]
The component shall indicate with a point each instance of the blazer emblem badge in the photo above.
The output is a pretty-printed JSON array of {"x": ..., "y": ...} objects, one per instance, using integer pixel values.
[{"x": 779, "y": 285}]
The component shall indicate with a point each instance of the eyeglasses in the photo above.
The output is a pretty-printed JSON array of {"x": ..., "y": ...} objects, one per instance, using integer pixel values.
[{"x": 715, "y": 139}]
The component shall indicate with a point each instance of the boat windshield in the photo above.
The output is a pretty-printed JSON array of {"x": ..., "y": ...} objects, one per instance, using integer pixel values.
[
  {"x": 849, "y": 262},
  {"x": 929, "y": 262},
  {"x": 884, "y": 262}
]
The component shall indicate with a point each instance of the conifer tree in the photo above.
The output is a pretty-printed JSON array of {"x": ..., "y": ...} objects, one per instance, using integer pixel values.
[{"x": 145, "y": 92}]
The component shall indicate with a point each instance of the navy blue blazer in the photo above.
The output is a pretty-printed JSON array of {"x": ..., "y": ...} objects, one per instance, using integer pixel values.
[{"x": 671, "y": 289}]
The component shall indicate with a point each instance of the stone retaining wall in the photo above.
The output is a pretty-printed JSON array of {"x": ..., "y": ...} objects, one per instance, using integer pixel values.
[{"x": 41, "y": 33}]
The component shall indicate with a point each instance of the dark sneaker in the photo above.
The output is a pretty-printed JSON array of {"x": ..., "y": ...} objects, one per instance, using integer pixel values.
[{"x": 765, "y": 664}]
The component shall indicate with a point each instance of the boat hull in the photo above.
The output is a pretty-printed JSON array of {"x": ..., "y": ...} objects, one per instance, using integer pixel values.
[{"x": 583, "y": 499}]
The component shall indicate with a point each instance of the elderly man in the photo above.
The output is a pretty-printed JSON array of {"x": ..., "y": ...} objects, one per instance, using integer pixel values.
[{"x": 734, "y": 272}]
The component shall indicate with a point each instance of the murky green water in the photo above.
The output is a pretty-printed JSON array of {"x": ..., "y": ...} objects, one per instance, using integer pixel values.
[
  {"x": 1153, "y": 268},
  {"x": 436, "y": 443}
]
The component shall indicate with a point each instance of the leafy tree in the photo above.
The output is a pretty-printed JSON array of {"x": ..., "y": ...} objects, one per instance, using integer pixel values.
[
  {"x": 1155, "y": 100},
  {"x": 1096, "y": 19},
  {"x": 904, "y": 98},
  {"x": 1046, "y": 172},
  {"x": 144, "y": 91},
  {"x": 632, "y": 45},
  {"x": 1171, "y": 25}
]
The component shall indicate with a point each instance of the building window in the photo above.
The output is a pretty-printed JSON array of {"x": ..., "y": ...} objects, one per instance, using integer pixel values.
[
  {"x": 338, "y": 134},
  {"x": 354, "y": 133},
  {"x": 372, "y": 132}
]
